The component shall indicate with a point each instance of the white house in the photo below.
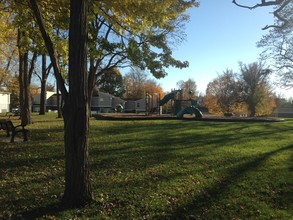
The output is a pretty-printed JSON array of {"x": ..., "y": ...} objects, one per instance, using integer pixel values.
[
  {"x": 37, "y": 101},
  {"x": 4, "y": 102}
]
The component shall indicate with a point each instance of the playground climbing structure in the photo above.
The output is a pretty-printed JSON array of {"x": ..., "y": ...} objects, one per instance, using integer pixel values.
[{"x": 178, "y": 109}]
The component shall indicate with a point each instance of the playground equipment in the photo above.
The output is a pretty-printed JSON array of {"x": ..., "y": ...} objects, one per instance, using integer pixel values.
[
  {"x": 189, "y": 110},
  {"x": 179, "y": 111},
  {"x": 167, "y": 98}
]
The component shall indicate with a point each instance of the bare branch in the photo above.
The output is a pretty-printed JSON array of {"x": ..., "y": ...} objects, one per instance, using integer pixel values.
[{"x": 264, "y": 3}]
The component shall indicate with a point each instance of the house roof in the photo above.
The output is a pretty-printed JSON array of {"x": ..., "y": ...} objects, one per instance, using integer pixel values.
[{"x": 107, "y": 94}]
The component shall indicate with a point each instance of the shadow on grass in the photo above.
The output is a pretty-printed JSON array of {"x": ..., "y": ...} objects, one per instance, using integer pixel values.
[
  {"x": 154, "y": 151},
  {"x": 27, "y": 173},
  {"x": 156, "y": 147},
  {"x": 50, "y": 210},
  {"x": 197, "y": 207}
]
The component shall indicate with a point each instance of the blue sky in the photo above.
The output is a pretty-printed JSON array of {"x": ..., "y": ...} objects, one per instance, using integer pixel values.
[{"x": 219, "y": 35}]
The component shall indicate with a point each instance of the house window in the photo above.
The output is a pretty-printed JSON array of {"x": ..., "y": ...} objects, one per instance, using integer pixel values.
[
  {"x": 137, "y": 105},
  {"x": 101, "y": 99}
]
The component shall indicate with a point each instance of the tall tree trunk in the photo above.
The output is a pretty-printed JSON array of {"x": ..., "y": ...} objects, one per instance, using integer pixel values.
[
  {"x": 75, "y": 111},
  {"x": 92, "y": 79},
  {"x": 20, "y": 72},
  {"x": 25, "y": 108},
  {"x": 252, "y": 110},
  {"x": 24, "y": 86},
  {"x": 43, "y": 86}
]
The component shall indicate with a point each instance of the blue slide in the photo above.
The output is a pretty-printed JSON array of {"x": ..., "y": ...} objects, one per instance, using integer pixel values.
[
  {"x": 167, "y": 98},
  {"x": 189, "y": 110}
]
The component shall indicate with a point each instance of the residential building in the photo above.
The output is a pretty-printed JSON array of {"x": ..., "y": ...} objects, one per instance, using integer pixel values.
[
  {"x": 284, "y": 112},
  {"x": 4, "y": 102},
  {"x": 50, "y": 103},
  {"x": 101, "y": 102}
]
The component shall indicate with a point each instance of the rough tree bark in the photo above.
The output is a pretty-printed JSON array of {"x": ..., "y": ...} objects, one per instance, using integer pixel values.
[
  {"x": 24, "y": 78},
  {"x": 75, "y": 110},
  {"x": 20, "y": 71}
]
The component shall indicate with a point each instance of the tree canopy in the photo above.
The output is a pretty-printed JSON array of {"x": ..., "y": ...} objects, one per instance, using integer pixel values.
[
  {"x": 137, "y": 84},
  {"x": 136, "y": 33},
  {"x": 111, "y": 82},
  {"x": 8, "y": 49},
  {"x": 248, "y": 91},
  {"x": 188, "y": 88},
  {"x": 120, "y": 33},
  {"x": 255, "y": 88},
  {"x": 222, "y": 94}
]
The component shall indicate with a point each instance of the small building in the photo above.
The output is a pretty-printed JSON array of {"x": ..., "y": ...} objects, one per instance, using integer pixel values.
[
  {"x": 101, "y": 102},
  {"x": 118, "y": 101},
  {"x": 50, "y": 103},
  {"x": 135, "y": 106},
  {"x": 104, "y": 102},
  {"x": 284, "y": 112},
  {"x": 4, "y": 102},
  {"x": 129, "y": 106},
  {"x": 149, "y": 104},
  {"x": 140, "y": 105}
]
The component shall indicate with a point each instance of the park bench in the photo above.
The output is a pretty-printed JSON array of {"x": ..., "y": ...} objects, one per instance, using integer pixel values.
[{"x": 11, "y": 130}]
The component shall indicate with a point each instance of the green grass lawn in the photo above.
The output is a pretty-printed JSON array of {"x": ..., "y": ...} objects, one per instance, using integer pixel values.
[{"x": 160, "y": 169}]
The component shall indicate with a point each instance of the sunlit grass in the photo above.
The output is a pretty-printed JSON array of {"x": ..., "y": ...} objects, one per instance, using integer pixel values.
[{"x": 156, "y": 170}]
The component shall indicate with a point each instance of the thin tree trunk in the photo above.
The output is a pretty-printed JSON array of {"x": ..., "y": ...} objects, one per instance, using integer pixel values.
[
  {"x": 23, "y": 85},
  {"x": 21, "y": 73},
  {"x": 252, "y": 111},
  {"x": 43, "y": 86},
  {"x": 91, "y": 82},
  {"x": 25, "y": 108},
  {"x": 59, "y": 112}
]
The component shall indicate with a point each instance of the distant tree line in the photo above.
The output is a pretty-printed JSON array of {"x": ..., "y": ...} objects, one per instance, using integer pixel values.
[
  {"x": 248, "y": 92},
  {"x": 133, "y": 85}
]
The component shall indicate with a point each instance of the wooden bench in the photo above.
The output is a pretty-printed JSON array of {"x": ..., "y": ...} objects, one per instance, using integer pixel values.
[{"x": 8, "y": 126}]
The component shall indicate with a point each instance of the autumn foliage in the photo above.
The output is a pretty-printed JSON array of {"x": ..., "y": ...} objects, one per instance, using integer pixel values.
[{"x": 247, "y": 93}]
